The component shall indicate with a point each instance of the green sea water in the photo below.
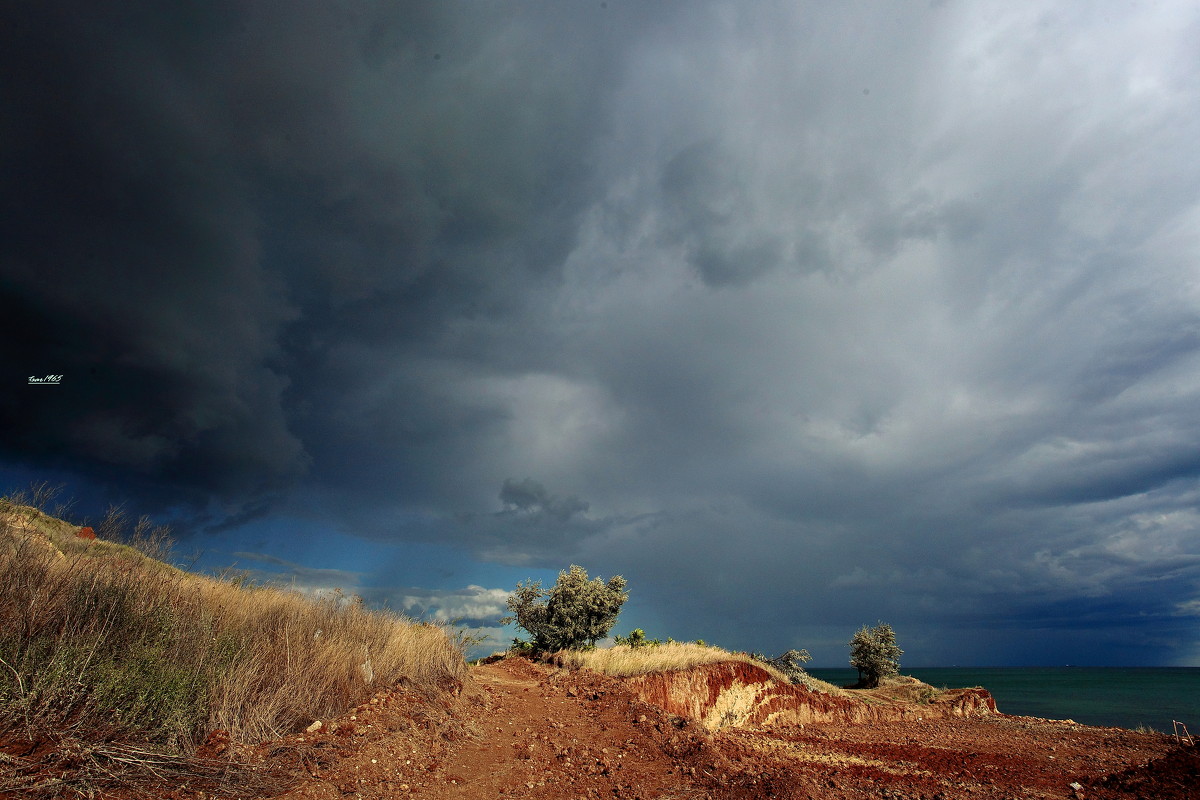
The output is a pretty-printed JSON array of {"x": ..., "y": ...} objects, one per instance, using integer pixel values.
[{"x": 1125, "y": 697}]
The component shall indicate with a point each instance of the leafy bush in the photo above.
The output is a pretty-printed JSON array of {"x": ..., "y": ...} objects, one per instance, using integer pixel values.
[
  {"x": 637, "y": 638},
  {"x": 575, "y": 613},
  {"x": 873, "y": 652},
  {"x": 790, "y": 664},
  {"x": 521, "y": 647}
]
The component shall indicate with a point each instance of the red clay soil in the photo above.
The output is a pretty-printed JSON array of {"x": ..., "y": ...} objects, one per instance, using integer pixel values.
[
  {"x": 534, "y": 734},
  {"x": 540, "y": 733},
  {"x": 523, "y": 730},
  {"x": 741, "y": 694}
]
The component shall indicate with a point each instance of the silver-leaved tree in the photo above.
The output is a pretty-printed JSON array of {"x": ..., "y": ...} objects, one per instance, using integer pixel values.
[
  {"x": 576, "y": 612},
  {"x": 873, "y": 652}
]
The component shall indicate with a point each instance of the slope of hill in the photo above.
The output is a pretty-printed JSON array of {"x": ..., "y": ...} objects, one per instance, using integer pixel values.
[{"x": 115, "y": 667}]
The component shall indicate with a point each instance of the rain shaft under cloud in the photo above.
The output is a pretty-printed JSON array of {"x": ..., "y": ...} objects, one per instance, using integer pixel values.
[{"x": 796, "y": 315}]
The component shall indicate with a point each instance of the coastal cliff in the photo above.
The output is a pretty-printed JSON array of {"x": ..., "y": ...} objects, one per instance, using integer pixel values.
[{"x": 739, "y": 694}]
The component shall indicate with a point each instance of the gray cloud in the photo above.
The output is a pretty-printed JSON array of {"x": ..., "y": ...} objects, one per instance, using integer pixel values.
[
  {"x": 830, "y": 314},
  {"x": 472, "y": 605},
  {"x": 713, "y": 215},
  {"x": 530, "y": 497}
]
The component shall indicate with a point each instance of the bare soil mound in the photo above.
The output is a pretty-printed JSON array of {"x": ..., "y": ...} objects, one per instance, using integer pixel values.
[
  {"x": 533, "y": 733},
  {"x": 1175, "y": 776},
  {"x": 738, "y": 694}
]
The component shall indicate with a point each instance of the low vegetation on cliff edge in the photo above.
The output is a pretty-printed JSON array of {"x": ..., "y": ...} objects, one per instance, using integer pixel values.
[
  {"x": 566, "y": 620},
  {"x": 101, "y": 644},
  {"x": 623, "y": 661}
]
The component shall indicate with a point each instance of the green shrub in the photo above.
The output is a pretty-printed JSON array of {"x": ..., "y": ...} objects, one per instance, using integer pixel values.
[
  {"x": 873, "y": 652},
  {"x": 575, "y": 613},
  {"x": 521, "y": 648},
  {"x": 155, "y": 698},
  {"x": 637, "y": 638},
  {"x": 790, "y": 663}
]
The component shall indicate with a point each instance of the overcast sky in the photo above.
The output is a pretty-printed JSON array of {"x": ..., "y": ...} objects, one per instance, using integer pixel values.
[{"x": 798, "y": 315}]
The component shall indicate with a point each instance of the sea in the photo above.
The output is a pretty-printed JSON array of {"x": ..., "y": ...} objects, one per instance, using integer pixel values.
[{"x": 1124, "y": 697}]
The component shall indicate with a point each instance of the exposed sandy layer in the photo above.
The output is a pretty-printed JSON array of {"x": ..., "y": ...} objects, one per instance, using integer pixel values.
[{"x": 737, "y": 694}]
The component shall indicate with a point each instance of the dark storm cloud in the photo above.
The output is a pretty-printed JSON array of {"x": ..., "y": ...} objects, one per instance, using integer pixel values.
[
  {"x": 702, "y": 190},
  {"x": 530, "y": 497},
  {"x": 535, "y": 527},
  {"x": 132, "y": 262},
  {"x": 979, "y": 401},
  {"x": 797, "y": 315},
  {"x": 297, "y": 576},
  {"x": 205, "y": 204}
]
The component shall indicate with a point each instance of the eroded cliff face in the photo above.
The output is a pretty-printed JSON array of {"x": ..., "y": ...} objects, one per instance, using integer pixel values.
[{"x": 738, "y": 694}]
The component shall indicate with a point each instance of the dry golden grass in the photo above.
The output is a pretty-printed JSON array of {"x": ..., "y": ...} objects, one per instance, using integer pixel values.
[
  {"x": 622, "y": 661},
  {"x": 906, "y": 689},
  {"x": 293, "y": 659},
  {"x": 60, "y": 536},
  {"x": 121, "y": 647}
]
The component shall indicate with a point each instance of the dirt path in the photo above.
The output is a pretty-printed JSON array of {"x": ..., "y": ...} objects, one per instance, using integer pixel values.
[
  {"x": 573, "y": 738},
  {"x": 519, "y": 731}
]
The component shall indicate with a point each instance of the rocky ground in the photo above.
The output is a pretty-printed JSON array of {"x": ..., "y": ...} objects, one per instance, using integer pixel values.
[
  {"x": 523, "y": 730},
  {"x": 537, "y": 733}
]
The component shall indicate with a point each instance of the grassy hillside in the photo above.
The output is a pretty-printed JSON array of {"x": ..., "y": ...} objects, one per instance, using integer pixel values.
[{"x": 101, "y": 643}]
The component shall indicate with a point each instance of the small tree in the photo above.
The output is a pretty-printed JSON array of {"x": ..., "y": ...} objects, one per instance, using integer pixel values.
[
  {"x": 636, "y": 638},
  {"x": 873, "y": 652},
  {"x": 790, "y": 664},
  {"x": 575, "y": 613}
]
